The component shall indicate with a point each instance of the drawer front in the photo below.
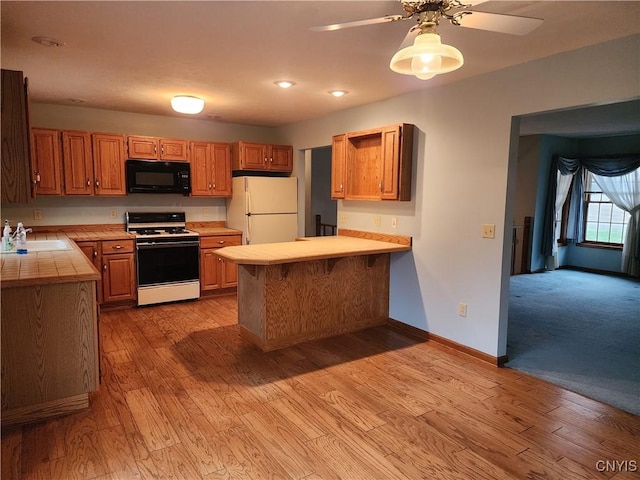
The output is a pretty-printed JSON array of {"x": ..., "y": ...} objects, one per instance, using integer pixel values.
[
  {"x": 220, "y": 241},
  {"x": 117, "y": 246}
]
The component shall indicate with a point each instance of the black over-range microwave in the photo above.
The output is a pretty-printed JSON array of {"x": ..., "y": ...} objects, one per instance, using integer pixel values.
[{"x": 151, "y": 176}]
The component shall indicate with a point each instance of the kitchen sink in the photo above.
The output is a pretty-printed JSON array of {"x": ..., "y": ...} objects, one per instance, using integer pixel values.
[{"x": 44, "y": 246}]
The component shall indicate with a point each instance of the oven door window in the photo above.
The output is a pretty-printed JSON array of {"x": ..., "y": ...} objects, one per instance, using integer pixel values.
[{"x": 167, "y": 264}]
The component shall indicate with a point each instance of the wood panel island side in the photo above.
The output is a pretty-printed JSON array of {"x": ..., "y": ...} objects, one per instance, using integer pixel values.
[{"x": 313, "y": 288}]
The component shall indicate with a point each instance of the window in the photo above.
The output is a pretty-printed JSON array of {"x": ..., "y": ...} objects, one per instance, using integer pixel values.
[{"x": 604, "y": 222}]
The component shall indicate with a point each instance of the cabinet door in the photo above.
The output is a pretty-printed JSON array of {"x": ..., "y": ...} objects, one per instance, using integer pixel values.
[
  {"x": 108, "y": 159},
  {"x": 17, "y": 186},
  {"x": 229, "y": 272},
  {"x": 281, "y": 158},
  {"x": 390, "y": 163},
  {"x": 221, "y": 169},
  {"x": 209, "y": 269},
  {"x": 118, "y": 277},
  {"x": 92, "y": 251},
  {"x": 46, "y": 160},
  {"x": 142, "y": 147},
  {"x": 173, "y": 150},
  {"x": 338, "y": 165},
  {"x": 253, "y": 156},
  {"x": 78, "y": 163},
  {"x": 201, "y": 183}
]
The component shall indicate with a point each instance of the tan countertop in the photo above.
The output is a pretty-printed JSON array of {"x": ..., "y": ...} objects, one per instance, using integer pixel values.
[
  {"x": 37, "y": 268},
  {"x": 63, "y": 266},
  {"x": 316, "y": 248},
  {"x": 212, "y": 231}
]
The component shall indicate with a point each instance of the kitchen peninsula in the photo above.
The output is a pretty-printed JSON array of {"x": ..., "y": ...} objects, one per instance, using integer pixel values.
[{"x": 292, "y": 292}]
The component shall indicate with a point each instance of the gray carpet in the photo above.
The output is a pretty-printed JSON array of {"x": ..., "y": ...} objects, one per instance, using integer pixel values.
[{"x": 580, "y": 331}]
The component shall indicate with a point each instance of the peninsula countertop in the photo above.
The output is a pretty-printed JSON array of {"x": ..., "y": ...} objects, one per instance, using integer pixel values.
[{"x": 306, "y": 249}]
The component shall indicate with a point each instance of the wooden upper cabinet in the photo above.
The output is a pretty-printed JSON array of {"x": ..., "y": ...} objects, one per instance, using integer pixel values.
[
  {"x": 338, "y": 165},
  {"x": 280, "y": 158},
  {"x": 154, "y": 148},
  {"x": 108, "y": 160},
  {"x": 46, "y": 159},
  {"x": 173, "y": 150},
  {"x": 16, "y": 178},
  {"x": 77, "y": 160},
  {"x": 142, "y": 147},
  {"x": 200, "y": 178},
  {"x": 261, "y": 157},
  {"x": 373, "y": 164},
  {"x": 221, "y": 164},
  {"x": 210, "y": 169}
]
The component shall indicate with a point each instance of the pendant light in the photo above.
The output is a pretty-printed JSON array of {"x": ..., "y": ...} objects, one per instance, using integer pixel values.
[
  {"x": 427, "y": 57},
  {"x": 187, "y": 104}
]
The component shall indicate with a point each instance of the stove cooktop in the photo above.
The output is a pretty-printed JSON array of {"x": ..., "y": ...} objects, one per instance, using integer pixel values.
[{"x": 158, "y": 224}]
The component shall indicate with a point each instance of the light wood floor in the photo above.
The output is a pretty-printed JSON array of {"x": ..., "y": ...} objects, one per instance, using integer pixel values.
[{"x": 183, "y": 396}]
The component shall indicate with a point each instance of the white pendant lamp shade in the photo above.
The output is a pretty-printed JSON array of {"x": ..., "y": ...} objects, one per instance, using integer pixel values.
[
  {"x": 426, "y": 58},
  {"x": 187, "y": 104}
]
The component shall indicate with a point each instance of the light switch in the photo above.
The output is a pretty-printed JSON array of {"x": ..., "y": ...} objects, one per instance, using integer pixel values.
[{"x": 488, "y": 230}]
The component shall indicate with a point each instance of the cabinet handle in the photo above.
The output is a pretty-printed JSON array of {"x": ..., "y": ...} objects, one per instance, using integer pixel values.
[
  {"x": 380, "y": 186},
  {"x": 209, "y": 186},
  {"x": 271, "y": 160},
  {"x": 265, "y": 159},
  {"x": 155, "y": 149},
  {"x": 104, "y": 267},
  {"x": 37, "y": 177},
  {"x": 117, "y": 247},
  {"x": 97, "y": 183},
  {"x": 341, "y": 187},
  {"x": 214, "y": 186},
  {"x": 88, "y": 182},
  {"x": 221, "y": 242},
  {"x": 95, "y": 254}
]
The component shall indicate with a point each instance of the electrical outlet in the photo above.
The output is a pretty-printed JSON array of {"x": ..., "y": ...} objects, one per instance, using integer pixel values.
[
  {"x": 113, "y": 213},
  {"x": 343, "y": 218},
  {"x": 394, "y": 222},
  {"x": 37, "y": 214},
  {"x": 377, "y": 221},
  {"x": 205, "y": 212},
  {"x": 462, "y": 309},
  {"x": 488, "y": 230}
]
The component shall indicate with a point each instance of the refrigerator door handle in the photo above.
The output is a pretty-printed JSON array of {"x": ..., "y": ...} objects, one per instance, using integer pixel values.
[{"x": 248, "y": 202}]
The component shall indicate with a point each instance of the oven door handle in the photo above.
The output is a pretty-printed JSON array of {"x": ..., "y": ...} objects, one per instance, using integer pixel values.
[{"x": 150, "y": 245}]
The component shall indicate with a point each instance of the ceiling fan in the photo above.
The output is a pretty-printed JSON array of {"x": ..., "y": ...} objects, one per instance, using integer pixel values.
[{"x": 421, "y": 52}]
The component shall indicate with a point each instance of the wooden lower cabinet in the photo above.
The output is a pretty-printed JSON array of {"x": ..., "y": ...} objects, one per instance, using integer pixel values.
[
  {"x": 118, "y": 270},
  {"x": 115, "y": 259},
  {"x": 216, "y": 272},
  {"x": 93, "y": 251}
]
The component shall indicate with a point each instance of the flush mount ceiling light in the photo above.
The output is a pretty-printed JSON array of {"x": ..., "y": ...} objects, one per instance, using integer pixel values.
[
  {"x": 187, "y": 104},
  {"x": 285, "y": 83},
  {"x": 338, "y": 93},
  {"x": 426, "y": 57},
  {"x": 48, "y": 42}
]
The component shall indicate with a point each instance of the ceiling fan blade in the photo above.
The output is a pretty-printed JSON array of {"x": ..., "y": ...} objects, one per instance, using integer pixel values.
[
  {"x": 497, "y": 22},
  {"x": 358, "y": 23},
  {"x": 410, "y": 37}
]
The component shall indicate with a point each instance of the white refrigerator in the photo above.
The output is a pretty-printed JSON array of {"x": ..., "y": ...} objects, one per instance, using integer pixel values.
[{"x": 264, "y": 208}]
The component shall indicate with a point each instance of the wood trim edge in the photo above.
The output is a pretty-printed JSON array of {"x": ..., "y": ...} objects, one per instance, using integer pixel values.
[
  {"x": 419, "y": 334},
  {"x": 381, "y": 237},
  {"x": 42, "y": 411}
]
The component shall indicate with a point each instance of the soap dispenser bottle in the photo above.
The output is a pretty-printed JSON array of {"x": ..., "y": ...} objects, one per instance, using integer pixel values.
[
  {"x": 7, "y": 240},
  {"x": 21, "y": 238}
]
